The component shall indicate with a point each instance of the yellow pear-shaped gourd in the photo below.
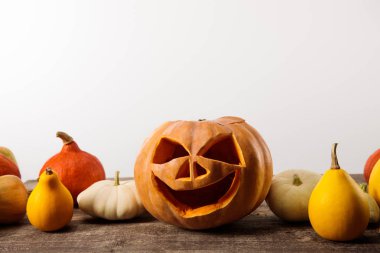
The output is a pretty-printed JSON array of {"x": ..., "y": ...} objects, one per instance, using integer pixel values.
[
  {"x": 338, "y": 208},
  {"x": 50, "y": 205}
]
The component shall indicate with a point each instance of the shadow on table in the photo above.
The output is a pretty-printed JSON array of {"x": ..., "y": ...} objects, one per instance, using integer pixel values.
[
  {"x": 67, "y": 229},
  {"x": 11, "y": 226}
]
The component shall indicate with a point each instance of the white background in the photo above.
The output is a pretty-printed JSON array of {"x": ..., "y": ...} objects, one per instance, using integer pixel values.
[{"x": 304, "y": 73}]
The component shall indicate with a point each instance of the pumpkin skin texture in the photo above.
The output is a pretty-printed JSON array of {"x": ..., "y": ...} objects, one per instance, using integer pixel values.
[
  {"x": 13, "y": 197},
  {"x": 372, "y": 160},
  {"x": 7, "y": 165},
  {"x": 338, "y": 208},
  {"x": 111, "y": 200},
  {"x": 50, "y": 205},
  {"x": 76, "y": 169},
  {"x": 203, "y": 174},
  {"x": 290, "y": 192}
]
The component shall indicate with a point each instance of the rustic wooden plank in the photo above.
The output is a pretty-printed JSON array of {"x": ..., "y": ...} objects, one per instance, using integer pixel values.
[{"x": 260, "y": 231}]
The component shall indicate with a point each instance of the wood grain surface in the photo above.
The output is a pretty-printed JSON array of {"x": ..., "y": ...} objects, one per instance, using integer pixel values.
[{"x": 260, "y": 231}]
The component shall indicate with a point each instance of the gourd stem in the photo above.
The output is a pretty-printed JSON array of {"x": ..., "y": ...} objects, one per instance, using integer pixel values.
[
  {"x": 201, "y": 119},
  {"x": 296, "y": 180},
  {"x": 67, "y": 139},
  {"x": 334, "y": 158},
  {"x": 49, "y": 171},
  {"x": 117, "y": 180},
  {"x": 363, "y": 186}
]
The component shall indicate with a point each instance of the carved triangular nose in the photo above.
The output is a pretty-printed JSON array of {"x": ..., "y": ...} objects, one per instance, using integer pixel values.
[
  {"x": 190, "y": 172},
  {"x": 198, "y": 170},
  {"x": 184, "y": 171}
]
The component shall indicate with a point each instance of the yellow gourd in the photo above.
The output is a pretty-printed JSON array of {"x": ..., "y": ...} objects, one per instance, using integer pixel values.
[
  {"x": 338, "y": 208},
  {"x": 374, "y": 211},
  {"x": 374, "y": 183},
  {"x": 50, "y": 205}
]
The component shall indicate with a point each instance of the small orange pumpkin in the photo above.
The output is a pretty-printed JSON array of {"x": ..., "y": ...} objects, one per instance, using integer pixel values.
[
  {"x": 8, "y": 167},
  {"x": 372, "y": 160},
  {"x": 76, "y": 169},
  {"x": 202, "y": 174}
]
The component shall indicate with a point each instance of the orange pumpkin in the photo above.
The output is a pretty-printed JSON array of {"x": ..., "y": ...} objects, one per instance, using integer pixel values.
[
  {"x": 8, "y": 167},
  {"x": 76, "y": 169},
  {"x": 372, "y": 160},
  {"x": 202, "y": 174}
]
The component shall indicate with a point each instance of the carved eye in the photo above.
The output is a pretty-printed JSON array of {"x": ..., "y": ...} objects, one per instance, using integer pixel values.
[
  {"x": 168, "y": 150},
  {"x": 224, "y": 149}
]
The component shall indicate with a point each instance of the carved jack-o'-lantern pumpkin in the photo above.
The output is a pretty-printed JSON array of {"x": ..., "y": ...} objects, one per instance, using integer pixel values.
[{"x": 202, "y": 174}]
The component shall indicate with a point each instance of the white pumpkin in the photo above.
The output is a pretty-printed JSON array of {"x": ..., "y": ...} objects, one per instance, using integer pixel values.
[
  {"x": 289, "y": 194},
  {"x": 111, "y": 200},
  {"x": 374, "y": 211}
]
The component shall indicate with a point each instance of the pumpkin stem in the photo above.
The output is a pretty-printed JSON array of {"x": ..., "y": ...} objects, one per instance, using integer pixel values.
[
  {"x": 334, "y": 158},
  {"x": 201, "y": 119},
  {"x": 363, "y": 186},
  {"x": 49, "y": 171},
  {"x": 67, "y": 139},
  {"x": 296, "y": 180},
  {"x": 117, "y": 179}
]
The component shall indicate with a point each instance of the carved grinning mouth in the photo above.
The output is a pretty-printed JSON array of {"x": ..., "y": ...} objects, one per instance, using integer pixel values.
[
  {"x": 223, "y": 149},
  {"x": 212, "y": 195}
]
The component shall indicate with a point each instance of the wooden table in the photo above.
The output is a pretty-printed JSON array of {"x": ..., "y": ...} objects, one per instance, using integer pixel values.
[{"x": 260, "y": 231}]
